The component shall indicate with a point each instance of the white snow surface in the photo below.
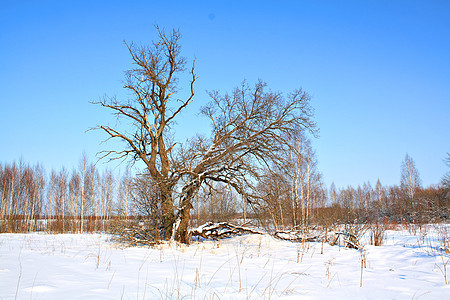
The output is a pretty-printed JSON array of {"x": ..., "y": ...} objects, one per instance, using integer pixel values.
[{"x": 90, "y": 266}]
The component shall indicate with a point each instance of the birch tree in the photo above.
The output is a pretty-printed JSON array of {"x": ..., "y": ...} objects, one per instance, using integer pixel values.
[
  {"x": 446, "y": 178},
  {"x": 410, "y": 179}
]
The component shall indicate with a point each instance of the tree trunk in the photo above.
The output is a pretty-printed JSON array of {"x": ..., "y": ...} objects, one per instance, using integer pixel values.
[
  {"x": 168, "y": 216},
  {"x": 180, "y": 232},
  {"x": 82, "y": 197},
  {"x": 308, "y": 194}
]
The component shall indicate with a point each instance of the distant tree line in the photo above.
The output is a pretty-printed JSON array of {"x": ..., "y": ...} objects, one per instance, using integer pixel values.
[
  {"x": 408, "y": 202},
  {"x": 296, "y": 196},
  {"x": 87, "y": 200},
  {"x": 81, "y": 200}
]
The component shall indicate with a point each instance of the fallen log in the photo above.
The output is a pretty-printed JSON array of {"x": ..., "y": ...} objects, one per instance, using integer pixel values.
[
  {"x": 221, "y": 230},
  {"x": 342, "y": 238},
  {"x": 296, "y": 236}
]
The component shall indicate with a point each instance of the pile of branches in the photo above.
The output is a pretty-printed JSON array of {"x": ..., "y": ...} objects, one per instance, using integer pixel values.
[
  {"x": 137, "y": 234},
  {"x": 133, "y": 234},
  {"x": 221, "y": 230}
]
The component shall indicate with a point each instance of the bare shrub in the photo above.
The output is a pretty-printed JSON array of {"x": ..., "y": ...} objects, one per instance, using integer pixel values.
[
  {"x": 133, "y": 233},
  {"x": 377, "y": 233},
  {"x": 349, "y": 236}
]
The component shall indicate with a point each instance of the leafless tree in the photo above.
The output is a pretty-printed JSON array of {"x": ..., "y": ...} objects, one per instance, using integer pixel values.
[
  {"x": 250, "y": 127},
  {"x": 275, "y": 200},
  {"x": 91, "y": 188},
  {"x": 123, "y": 203},
  {"x": 61, "y": 191},
  {"x": 305, "y": 178},
  {"x": 383, "y": 204},
  {"x": 74, "y": 194},
  {"x": 333, "y": 194},
  {"x": 250, "y": 131},
  {"x": 409, "y": 179},
  {"x": 446, "y": 179},
  {"x": 107, "y": 184},
  {"x": 146, "y": 204},
  {"x": 151, "y": 111},
  {"x": 82, "y": 199}
]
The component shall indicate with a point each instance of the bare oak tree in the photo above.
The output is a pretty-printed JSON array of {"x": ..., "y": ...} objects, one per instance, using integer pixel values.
[
  {"x": 250, "y": 129},
  {"x": 152, "y": 110}
]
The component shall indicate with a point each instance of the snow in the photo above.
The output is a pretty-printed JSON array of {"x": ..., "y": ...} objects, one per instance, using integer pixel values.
[{"x": 90, "y": 266}]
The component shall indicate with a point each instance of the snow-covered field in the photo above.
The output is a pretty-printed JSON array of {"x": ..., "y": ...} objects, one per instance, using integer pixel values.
[{"x": 89, "y": 266}]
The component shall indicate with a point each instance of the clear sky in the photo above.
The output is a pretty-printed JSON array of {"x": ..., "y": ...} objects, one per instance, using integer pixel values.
[{"x": 378, "y": 72}]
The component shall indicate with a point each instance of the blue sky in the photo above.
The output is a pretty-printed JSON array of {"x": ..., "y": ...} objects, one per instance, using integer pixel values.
[{"x": 378, "y": 72}]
